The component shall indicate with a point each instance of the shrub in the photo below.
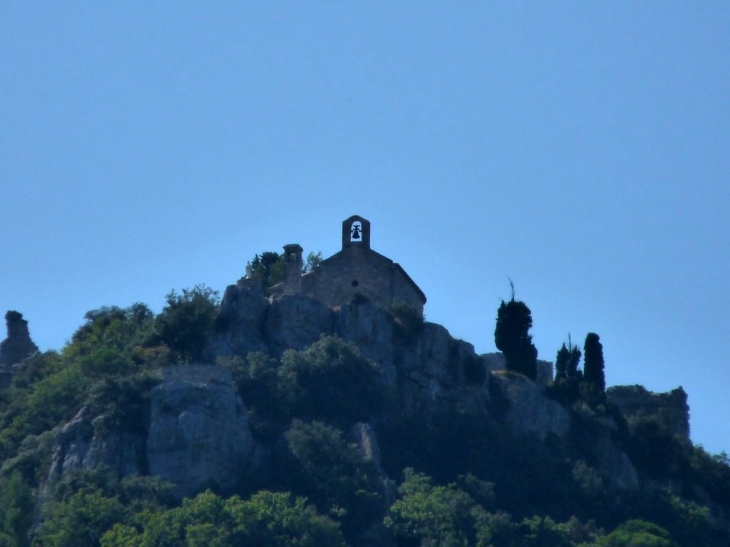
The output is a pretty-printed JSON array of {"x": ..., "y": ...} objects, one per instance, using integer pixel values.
[
  {"x": 331, "y": 380},
  {"x": 187, "y": 320},
  {"x": 333, "y": 474},
  {"x": 408, "y": 320},
  {"x": 512, "y": 338}
]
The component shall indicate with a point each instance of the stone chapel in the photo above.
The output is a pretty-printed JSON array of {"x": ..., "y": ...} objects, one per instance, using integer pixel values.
[{"x": 355, "y": 270}]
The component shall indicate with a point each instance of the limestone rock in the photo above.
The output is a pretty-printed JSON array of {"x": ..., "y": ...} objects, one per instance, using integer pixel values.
[
  {"x": 18, "y": 345},
  {"x": 240, "y": 323},
  {"x": 528, "y": 411},
  {"x": 371, "y": 329},
  {"x": 366, "y": 441},
  {"x": 615, "y": 464},
  {"x": 440, "y": 355},
  {"x": 544, "y": 373},
  {"x": 295, "y": 322},
  {"x": 199, "y": 434},
  {"x": 637, "y": 402},
  {"x": 78, "y": 447},
  {"x": 496, "y": 361}
]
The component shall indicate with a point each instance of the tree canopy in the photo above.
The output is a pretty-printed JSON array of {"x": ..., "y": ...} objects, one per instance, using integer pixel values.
[{"x": 512, "y": 337}]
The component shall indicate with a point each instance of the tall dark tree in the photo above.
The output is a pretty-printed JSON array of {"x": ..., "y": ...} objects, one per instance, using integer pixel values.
[
  {"x": 567, "y": 361},
  {"x": 593, "y": 363},
  {"x": 269, "y": 268},
  {"x": 574, "y": 355},
  {"x": 562, "y": 359},
  {"x": 512, "y": 337}
]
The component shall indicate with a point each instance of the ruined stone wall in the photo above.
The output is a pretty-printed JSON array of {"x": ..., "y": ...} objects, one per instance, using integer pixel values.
[{"x": 637, "y": 402}]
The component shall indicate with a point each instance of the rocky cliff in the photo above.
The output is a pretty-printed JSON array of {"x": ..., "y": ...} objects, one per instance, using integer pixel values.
[
  {"x": 197, "y": 436},
  {"x": 198, "y": 433}
]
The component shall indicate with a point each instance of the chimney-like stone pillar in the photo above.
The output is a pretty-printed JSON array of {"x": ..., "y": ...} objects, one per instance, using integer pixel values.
[
  {"x": 293, "y": 272},
  {"x": 18, "y": 345}
]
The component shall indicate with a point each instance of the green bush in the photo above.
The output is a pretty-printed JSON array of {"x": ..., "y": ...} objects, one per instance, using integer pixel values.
[
  {"x": 436, "y": 515},
  {"x": 81, "y": 520},
  {"x": 331, "y": 381},
  {"x": 266, "y": 520},
  {"x": 257, "y": 381},
  {"x": 332, "y": 473},
  {"x": 122, "y": 404},
  {"x": 187, "y": 321},
  {"x": 638, "y": 533},
  {"x": 112, "y": 328},
  {"x": 269, "y": 268},
  {"x": 16, "y": 510}
]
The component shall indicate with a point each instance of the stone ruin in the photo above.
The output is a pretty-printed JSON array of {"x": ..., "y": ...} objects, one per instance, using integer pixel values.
[{"x": 16, "y": 347}]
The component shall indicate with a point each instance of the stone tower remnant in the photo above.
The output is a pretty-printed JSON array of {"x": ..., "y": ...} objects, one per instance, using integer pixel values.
[{"x": 18, "y": 345}]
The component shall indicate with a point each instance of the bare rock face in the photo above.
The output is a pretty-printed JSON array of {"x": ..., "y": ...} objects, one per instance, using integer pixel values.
[
  {"x": 199, "y": 434},
  {"x": 497, "y": 361},
  {"x": 371, "y": 329},
  {"x": 295, "y": 322},
  {"x": 528, "y": 411},
  {"x": 638, "y": 402},
  {"x": 240, "y": 323},
  {"x": 615, "y": 465},
  {"x": 544, "y": 373},
  {"x": 79, "y": 446},
  {"x": 197, "y": 437},
  {"x": 18, "y": 345},
  {"x": 364, "y": 437}
]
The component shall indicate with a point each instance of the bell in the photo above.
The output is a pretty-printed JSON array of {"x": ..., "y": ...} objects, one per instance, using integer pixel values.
[{"x": 356, "y": 232}]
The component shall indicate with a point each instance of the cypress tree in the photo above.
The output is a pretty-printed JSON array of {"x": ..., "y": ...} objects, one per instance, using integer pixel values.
[
  {"x": 593, "y": 363},
  {"x": 561, "y": 363},
  {"x": 573, "y": 360},
  {"x": 512, "y": 338}
]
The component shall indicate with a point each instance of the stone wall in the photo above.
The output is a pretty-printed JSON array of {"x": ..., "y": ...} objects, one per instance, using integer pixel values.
[
  {"x": 636, "y": 402},
  {"x": 358, "y": 270}
]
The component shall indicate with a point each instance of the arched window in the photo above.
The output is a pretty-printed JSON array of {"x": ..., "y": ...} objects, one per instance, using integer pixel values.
[{"x": 356, "y": 232}]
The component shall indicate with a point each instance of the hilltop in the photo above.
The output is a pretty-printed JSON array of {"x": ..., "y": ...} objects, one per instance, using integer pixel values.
[{"x": 313, "y": 401}]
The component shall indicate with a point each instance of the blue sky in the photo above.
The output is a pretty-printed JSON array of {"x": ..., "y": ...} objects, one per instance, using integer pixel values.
[{"x": 580, "y": 148}]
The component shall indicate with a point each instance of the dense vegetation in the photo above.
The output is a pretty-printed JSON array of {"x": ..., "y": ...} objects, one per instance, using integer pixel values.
[{"x": 455, "y": 478}]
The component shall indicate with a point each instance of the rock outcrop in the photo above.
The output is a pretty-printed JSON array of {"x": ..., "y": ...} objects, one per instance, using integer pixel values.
[
  {"x": 197, "y": 436},
  {"x": 78, "y": 446},
  {"x": 527, "y": 410},
  {"x": 18, "y": 344},
  {"x": 637, "y": 402}
]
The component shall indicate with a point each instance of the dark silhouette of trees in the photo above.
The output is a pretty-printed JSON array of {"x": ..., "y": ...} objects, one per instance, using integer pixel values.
[
  {"x": 513, "y": 339},
  {"x": 187, "y": 321},
  {"x": 567, "y": 361},
  {"x": 593, "y": 363},
  {"x": 269, "y": 267}
]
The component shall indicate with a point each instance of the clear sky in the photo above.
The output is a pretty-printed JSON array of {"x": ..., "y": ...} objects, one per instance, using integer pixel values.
[{"x": 580, "y": 148}]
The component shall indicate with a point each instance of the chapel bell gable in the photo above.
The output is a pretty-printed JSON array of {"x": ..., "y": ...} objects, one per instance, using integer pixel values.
[{"x": 356, "y": 232}]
